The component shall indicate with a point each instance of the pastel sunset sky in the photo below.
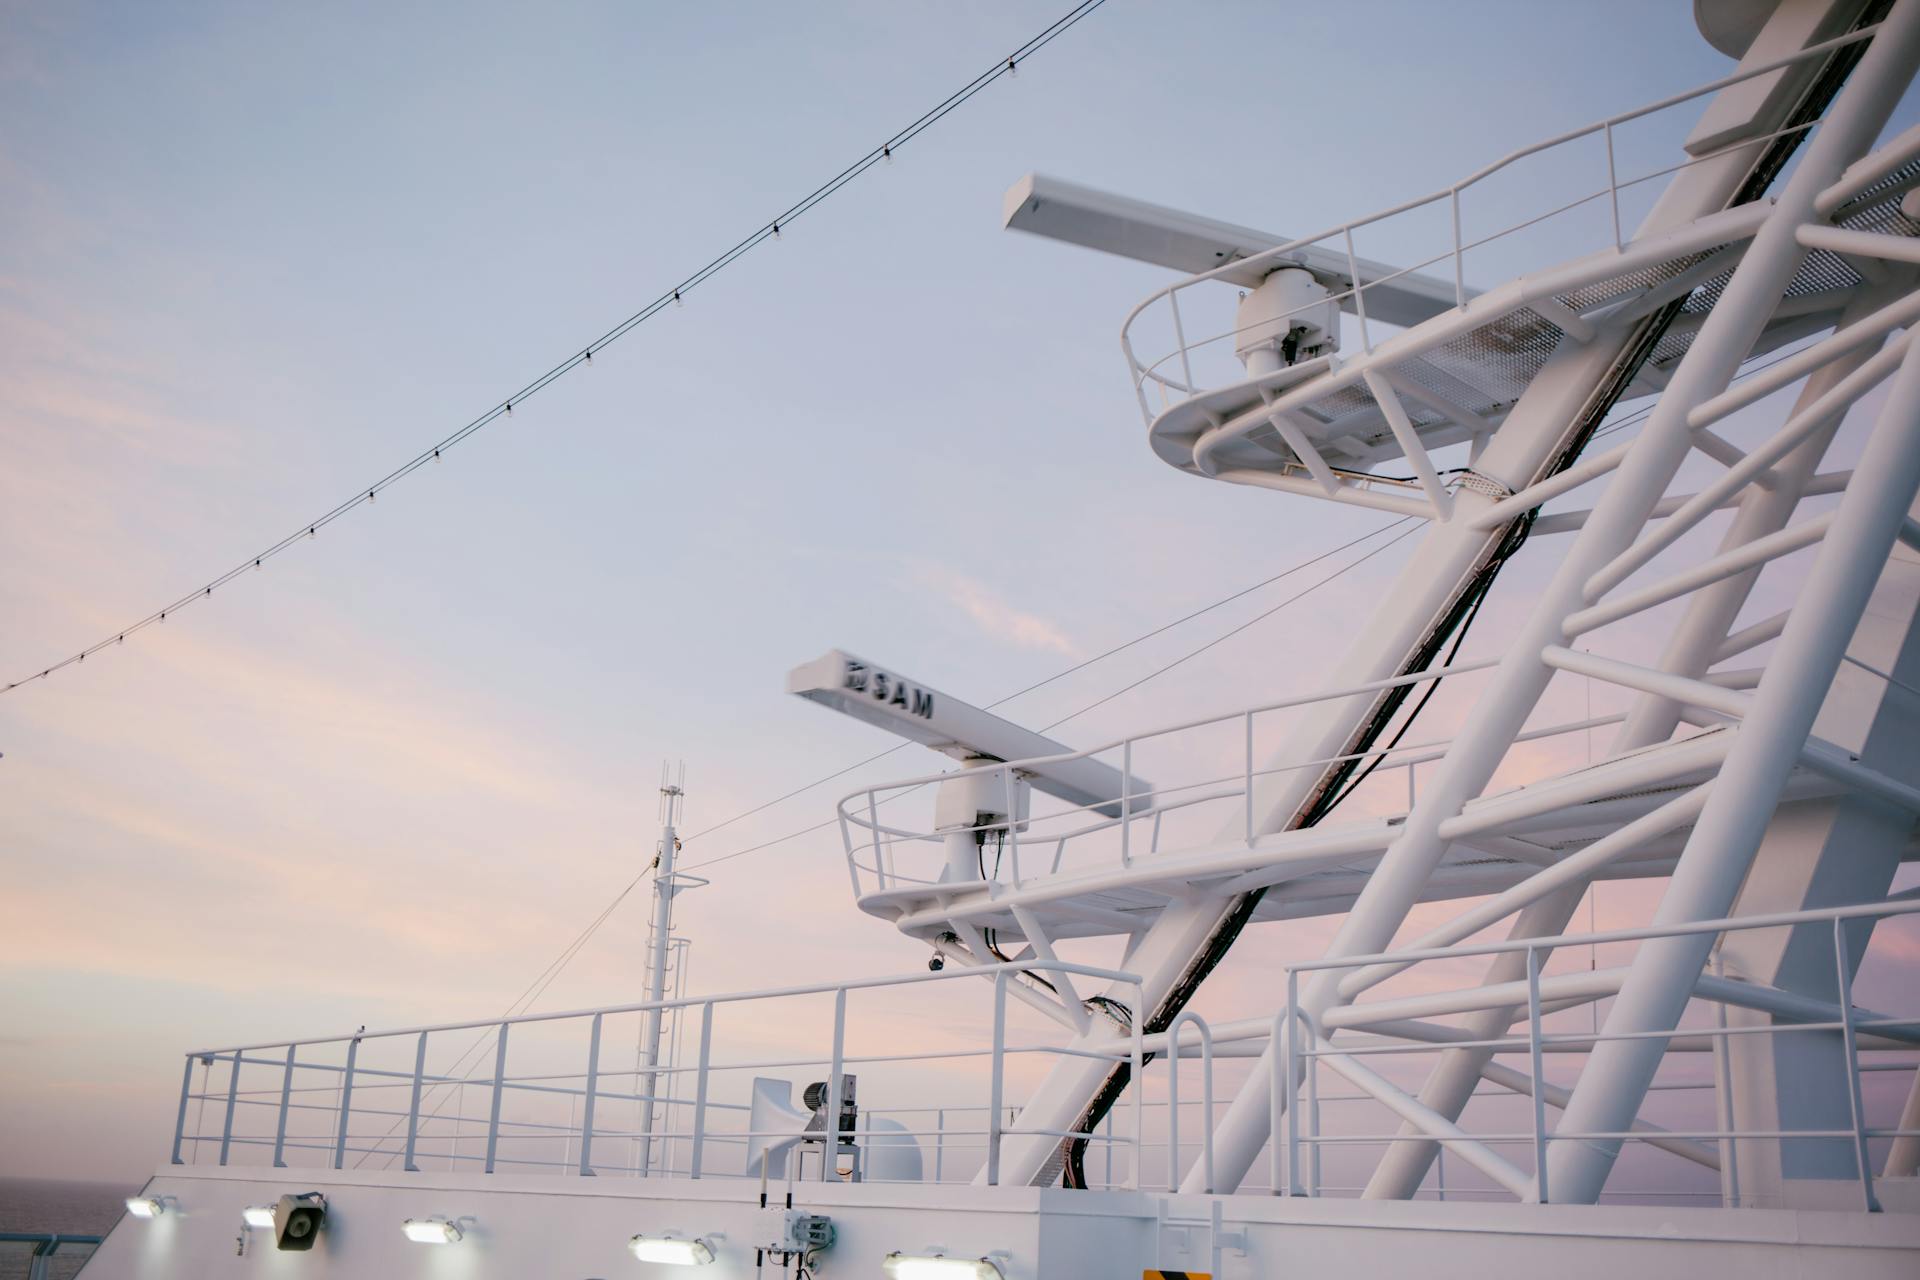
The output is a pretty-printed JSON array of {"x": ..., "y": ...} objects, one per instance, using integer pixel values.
[{"x": 252, "y": 257}]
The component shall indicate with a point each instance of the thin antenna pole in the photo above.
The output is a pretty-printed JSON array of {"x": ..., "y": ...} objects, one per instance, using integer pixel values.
[{"x": 663, "y": 890}]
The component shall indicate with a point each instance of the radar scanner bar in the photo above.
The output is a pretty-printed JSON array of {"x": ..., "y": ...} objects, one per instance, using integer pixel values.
[{"x": 920, "y": 713}]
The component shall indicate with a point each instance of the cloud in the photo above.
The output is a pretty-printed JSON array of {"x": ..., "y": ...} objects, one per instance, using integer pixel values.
[{"x": 995, "y": 616}]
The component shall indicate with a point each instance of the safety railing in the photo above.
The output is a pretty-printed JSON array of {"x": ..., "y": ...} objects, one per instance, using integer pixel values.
[
  {"x": 1401, "y": 1032},
  {"x": 48, "y": 1252},
  {"x": 1172, "y": 373},
  {"x": 371, "y": 1099},
  {"x": 890, "y": 852}
]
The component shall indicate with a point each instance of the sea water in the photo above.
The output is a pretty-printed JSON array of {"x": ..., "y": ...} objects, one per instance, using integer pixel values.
[{"x": 33, "y": 1204}]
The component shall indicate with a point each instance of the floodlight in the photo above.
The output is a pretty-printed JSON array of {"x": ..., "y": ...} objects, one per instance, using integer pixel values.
[
  {"x": 145, "y": 1206},
  {"x": 257, "y": 1216},
  {"x": 672, "y": 1250},
  {"x": 903, "y": 1266},
  {"x": 431, "y": 1230}
]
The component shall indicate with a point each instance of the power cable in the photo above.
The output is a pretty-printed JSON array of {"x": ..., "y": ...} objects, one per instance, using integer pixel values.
[{"x": 769, "y": 230}]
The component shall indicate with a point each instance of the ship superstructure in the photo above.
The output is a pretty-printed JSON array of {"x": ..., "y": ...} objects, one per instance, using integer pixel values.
[{"x": 1466, "y": 1076}]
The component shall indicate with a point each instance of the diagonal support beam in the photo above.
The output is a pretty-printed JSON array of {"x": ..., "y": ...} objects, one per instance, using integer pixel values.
[{"x": 1429, "y": 1121}]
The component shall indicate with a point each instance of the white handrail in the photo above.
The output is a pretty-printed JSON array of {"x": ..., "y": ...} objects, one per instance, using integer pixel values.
[{"x": 1451, "y": 193}]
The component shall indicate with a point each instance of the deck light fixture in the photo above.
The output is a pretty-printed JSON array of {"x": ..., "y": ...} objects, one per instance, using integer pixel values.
[
  {"x": 902, "y": 1266},
  {"x": 257, "y": 1216},
  {"x": 145, "y": 1206},
  {"x": 671, "y": 1250},
  {"x": 431, "y": 1230}
]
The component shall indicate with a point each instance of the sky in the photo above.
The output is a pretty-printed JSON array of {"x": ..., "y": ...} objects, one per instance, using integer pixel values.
[{"x": 252, "y": 257}]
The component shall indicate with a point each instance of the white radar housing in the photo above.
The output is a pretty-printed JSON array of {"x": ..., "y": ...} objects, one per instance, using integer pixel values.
[{"x": 858, "y": 688}]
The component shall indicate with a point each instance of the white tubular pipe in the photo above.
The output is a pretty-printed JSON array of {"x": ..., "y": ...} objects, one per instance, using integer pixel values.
[
  {"x": 1701, "y": 640},
  {"x": 1790, "y": 1006},
  {"x": 1353, "y": 494},
  {"x": 1593, "y": 984},
  {"x": 1726, "y": 564},
  {"x": 1864, "y": 172},
  {"x": 1572, "y": 478},
  {"x": 1063, "y": 982},
  {"x": 1813, "y": 419},
  {"x": 1866, "y": 330},
  {"x": 1475, "y": 1153},
  {"x": 1724, "y": 340},
  {"x": 1865, "y": 244},
  {"x": 1682, "y": 689},
  {"x": 1750, "y": 638},
  {"x": 1903, "y": 1158},
  {"x": 1575, "y": 868},
  {"x": 1522, "y": 1083},
  {"x": 1570, "y": 521},
  {"x": 1388, "y": 398},
  {"x": 1765, "y": 752}
]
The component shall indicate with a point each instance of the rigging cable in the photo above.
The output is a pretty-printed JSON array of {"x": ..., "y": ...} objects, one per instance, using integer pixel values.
[
  {"x": 538, "y": 987},
  {"x": 769, "y": 230},
  {"x": 1157, "y": 672},
  {"x": 1077, "y": 667}
]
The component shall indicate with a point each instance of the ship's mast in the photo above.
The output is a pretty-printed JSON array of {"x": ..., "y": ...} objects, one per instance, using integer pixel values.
[{"x": 665, "y": 886}]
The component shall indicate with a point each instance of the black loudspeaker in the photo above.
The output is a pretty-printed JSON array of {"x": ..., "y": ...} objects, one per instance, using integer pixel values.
[{"x": 297, "y": 1220}]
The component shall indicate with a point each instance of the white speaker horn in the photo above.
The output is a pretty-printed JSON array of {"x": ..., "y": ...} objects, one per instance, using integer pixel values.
[{"x": 776, "y": 1125}]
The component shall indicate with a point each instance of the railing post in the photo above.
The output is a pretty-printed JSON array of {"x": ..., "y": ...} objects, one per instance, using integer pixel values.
[
  {"x": 233, "y": 1095},
  {"x": 1723, "y": 1087},
  {"x": 997, "y": 1088},
  {"x": 1293, "y": 1074},
  {"x": 1613, "y": 190},
  {"x": 180, "y": 1120},
  {"x": 1843, "y": 980},
  {"x": 1180, "y": 336},
  {"x": 280, "y": 1123},
  {"x": 1247, "y": 781},
  {"x": 1313, "y": 1106},
  {"x": 700, "y": 1091},
  {"x": 1539, "y": 1080},
  {"x": 1126, "y": 803},
  {"x": 1173, "y": 1107},
  {"x": 939, "y": 1142},
  {"x": 499, "y": 1087},
  {"x": 1276, "y": 1103},
  {"x": 1173, "y": 1098},
  {"x": 346, "y": 1104},
  {"x": 593, "y": 1086},
  {"x": 830, "y": 1148},
  {"x": 1013, "y": 825},
  {"x": 413, "y": 1102},
  {"x": 1137, "y": 1059},
  {"x": 1459, "y": 272},
  {"x": 873, "y": 826},
  {"x": 1359, "y": 294}
]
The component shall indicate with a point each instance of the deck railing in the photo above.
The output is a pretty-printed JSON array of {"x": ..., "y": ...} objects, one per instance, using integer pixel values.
[
  {"x": 1294, "y": 1084},
  {"x": 45, "y": 1248},
  {"x": 887, "y": 850},
  {"x": 1449, "y": 255},
  {"x": 325, "y": 1102}
]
